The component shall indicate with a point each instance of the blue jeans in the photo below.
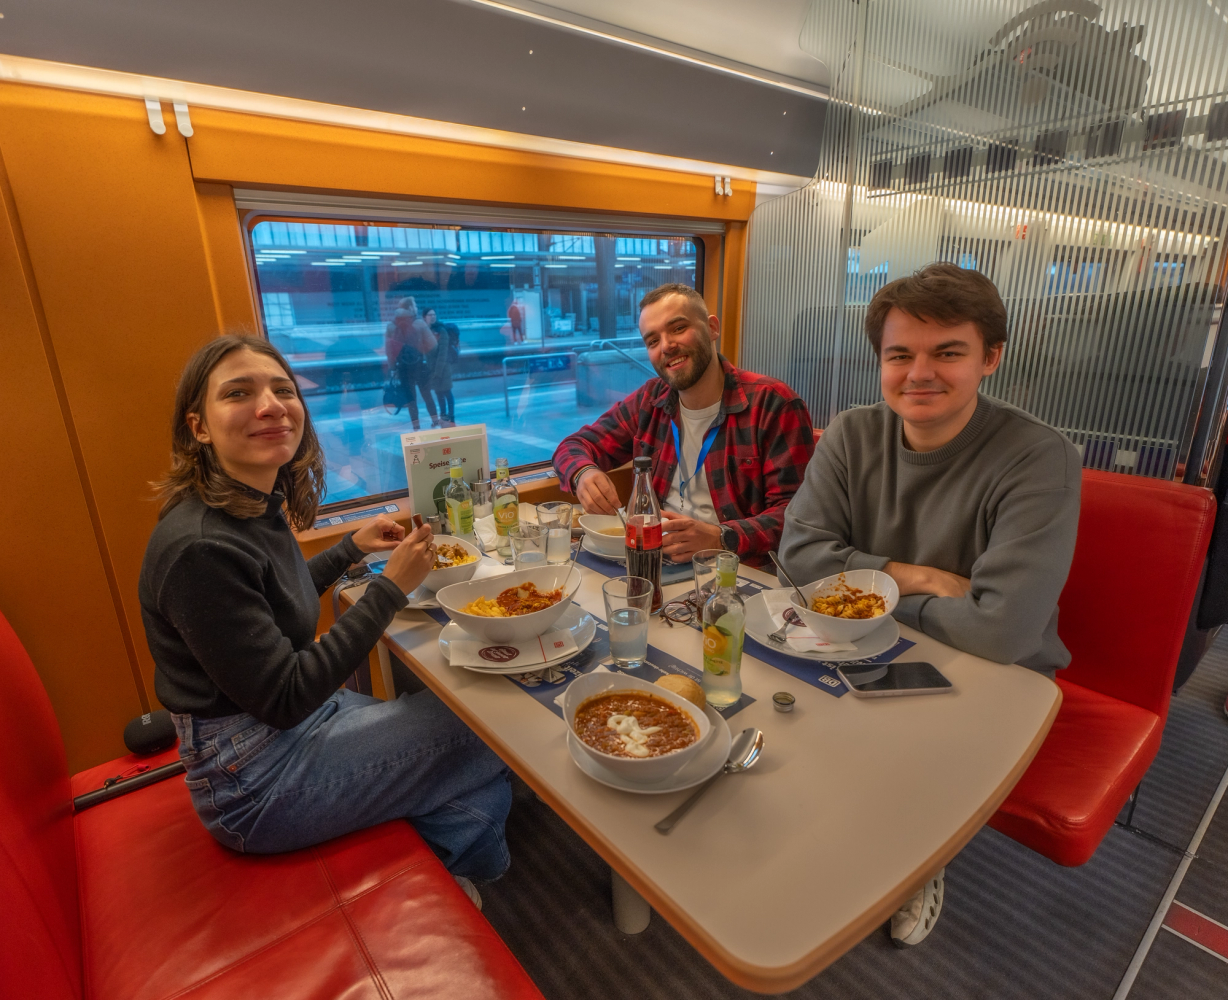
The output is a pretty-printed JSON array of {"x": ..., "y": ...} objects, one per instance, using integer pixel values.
[{"x": 354, "y": 762}]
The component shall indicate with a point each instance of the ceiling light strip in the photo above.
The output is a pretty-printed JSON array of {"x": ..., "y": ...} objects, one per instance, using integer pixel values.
[{"x": 657, "y": 46}]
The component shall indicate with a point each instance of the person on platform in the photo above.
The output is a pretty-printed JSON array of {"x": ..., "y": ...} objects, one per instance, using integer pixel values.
[
  {"x": 440, "y": 363},
  {"x": 968, "y": 503},
  {"x": 515, "y": 318},
  {"x": 279, "y": 756},
  {"x": 729, "y": 448}
]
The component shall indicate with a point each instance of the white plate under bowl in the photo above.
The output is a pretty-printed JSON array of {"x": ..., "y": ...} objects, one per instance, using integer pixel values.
[
  {"x": 575, "y": 620},
  {"x": 759, "y": 626},
  {"x": 588, "y": 547},
  {"x": 710, "y": 759},
  {"x": 420, "y": 600}
]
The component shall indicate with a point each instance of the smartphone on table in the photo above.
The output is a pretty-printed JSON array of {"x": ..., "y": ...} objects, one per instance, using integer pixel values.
[{"x": 882, "y": 680}]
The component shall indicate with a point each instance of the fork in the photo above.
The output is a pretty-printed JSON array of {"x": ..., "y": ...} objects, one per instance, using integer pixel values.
[{"x": 791, "y": 618}]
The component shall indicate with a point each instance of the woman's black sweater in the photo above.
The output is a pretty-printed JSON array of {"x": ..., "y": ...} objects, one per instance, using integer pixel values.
[{"x": 230, "y": 608}]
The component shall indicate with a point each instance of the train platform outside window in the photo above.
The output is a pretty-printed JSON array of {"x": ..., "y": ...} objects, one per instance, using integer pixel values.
[{"x": 535, "y": 332}]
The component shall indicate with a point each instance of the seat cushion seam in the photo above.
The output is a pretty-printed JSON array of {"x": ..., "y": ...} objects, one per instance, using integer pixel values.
[
  {"x": 254, "y": 954},
  {"x": 355, "y": 935},
  {"x": 380, "y": 884}
]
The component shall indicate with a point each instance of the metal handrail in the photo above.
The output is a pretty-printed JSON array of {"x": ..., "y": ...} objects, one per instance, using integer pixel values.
[
  {"x": 507, "y": 406},
  {"x": 599, "y": 345}
]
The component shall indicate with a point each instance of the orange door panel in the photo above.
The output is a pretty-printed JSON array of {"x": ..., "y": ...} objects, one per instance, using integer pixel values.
[
  {"x": 109, "y": 215},
  {"x": 53, "y": 587}
]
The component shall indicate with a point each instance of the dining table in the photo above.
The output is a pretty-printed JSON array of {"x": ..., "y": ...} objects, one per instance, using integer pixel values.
[{"x": 779, "y": 870}]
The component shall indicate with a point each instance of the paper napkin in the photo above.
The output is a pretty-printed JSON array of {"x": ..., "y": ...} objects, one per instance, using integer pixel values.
[
  {"x": 527, "y": 655},
  {"x": 799, "y": 637}
]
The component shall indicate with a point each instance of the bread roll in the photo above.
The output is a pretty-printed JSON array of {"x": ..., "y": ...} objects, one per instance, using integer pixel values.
[{"x": 682, "y": 685}]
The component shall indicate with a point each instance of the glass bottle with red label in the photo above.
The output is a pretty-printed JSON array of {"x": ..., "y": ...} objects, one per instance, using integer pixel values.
[{"x": 643, "y": 537}]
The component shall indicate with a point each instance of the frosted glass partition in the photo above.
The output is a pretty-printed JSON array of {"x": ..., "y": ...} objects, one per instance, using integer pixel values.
[{"x": 1072, "y": 151}]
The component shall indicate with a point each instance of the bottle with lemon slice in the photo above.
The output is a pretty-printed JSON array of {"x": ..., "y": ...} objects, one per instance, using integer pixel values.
[{"x": 724, "y": 627}]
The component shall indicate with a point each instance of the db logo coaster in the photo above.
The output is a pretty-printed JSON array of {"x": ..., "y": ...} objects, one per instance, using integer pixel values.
[{"x": 499, "y": 654}]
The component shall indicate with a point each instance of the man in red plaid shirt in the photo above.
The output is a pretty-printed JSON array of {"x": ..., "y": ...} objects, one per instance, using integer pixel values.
[{"x": 745, "y": 439}]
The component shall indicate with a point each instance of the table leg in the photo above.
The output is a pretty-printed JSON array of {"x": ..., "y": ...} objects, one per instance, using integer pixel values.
[
  {"x": 631, "y": 910},
  {"x": 385, "y": 671}
]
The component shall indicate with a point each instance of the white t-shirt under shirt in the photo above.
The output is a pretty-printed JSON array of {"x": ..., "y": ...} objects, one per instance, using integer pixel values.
[{"x": 698, "y": 503}]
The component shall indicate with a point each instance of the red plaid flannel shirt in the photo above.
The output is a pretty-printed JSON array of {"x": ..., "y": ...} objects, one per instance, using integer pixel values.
[{"x": 755, "y": 465}]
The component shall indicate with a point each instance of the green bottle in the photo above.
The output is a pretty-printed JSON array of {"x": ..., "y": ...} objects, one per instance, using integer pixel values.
[
  {"x": 506, "y": 499},
  {"x": 724, "y": 629},
  {"x": 460, "y": 502}
]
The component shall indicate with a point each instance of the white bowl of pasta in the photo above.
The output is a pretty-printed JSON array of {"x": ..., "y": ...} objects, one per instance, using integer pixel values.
[
  {"x": 850, "y": 594},
  {"x": 474, "y": 605},
  {"x": 462, "y": 555}
]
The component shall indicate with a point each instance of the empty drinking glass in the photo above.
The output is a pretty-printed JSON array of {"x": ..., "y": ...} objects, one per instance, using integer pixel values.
[
  {"x": 528, "y": 545},
  {"x": 628, "y": 602},
  {"x": 555, "y": 517}
]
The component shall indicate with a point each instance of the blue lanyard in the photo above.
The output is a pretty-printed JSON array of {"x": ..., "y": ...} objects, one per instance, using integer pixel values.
[{"x": 683, "y": 479}]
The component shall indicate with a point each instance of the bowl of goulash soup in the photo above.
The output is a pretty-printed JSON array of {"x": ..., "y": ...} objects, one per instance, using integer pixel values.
[
  {"x": 605, "y": 533},
  {"x": 513, "y": 607},
  {"x": 640, "y": 731},
  {"x": 848, "y": 606}
]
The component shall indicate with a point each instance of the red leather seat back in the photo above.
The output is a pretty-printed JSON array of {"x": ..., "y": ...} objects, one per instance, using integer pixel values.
[
  {"x": 40, "y": 948},
  {"x": 1127, "y": 601}
]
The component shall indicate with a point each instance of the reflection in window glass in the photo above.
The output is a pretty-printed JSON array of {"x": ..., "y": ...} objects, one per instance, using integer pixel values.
[{"x": 391, "y": 327}]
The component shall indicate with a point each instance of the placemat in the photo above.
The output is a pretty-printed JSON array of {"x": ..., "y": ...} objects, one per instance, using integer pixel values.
[
  {"x": 670, "y": 572},
  {"x": 546, "y": 684},
  {"x": 816, "y": 673}
]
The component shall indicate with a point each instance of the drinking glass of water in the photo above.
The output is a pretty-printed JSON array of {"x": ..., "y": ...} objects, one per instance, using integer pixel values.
[
  {"x": 528, "y": 545},
  {"x": 555, "y": 517},
  {"x": 628, "y": 601}
]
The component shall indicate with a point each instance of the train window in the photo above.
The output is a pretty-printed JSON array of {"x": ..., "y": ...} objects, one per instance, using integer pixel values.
[{"x": 522, "y": 323}]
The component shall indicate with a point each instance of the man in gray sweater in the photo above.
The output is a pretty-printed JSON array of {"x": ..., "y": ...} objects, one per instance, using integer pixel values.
[{"x": 969, "y": 504}]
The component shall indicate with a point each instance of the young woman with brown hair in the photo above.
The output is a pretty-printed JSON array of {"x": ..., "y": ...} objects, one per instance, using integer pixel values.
[{"x": 279, "y": 758}]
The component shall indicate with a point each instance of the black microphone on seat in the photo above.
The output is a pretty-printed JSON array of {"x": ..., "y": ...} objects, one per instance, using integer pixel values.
[{"x": 150, "y": 733}]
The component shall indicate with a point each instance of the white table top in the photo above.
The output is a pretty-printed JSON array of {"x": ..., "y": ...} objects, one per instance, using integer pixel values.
[{"x": 853, "y": 804}]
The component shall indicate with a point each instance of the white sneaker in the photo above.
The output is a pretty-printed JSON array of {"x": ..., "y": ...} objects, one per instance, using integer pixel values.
[
  {"x": 913, "y": 921},
  {"x": 471, "y": 891}
]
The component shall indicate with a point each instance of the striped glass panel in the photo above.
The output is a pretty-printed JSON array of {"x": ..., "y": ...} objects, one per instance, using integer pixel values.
[{"x": 1074, "y": 152}]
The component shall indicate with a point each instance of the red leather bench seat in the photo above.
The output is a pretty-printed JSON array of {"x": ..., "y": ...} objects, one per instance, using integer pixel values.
[
  {"x": 133, "y": 900},
  {"x": 1093, "y": 758},
  {"x": 1123, "y": 615}
]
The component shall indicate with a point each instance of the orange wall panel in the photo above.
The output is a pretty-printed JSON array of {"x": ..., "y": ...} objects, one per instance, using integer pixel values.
[
  {"x": 246, "y": 150},
  {"x": 229, "y": 269},
  {"x": 110, "y": 218},
  {"x": 731, "y": 283},
  {"x": 53, "y": 587}
]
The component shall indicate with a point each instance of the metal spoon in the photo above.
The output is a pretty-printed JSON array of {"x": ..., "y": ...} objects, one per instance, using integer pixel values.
[
  {"x": 787, "y": 577},
  {"x": 791, "y": 617},
  {"x": 742, "y": 755}
]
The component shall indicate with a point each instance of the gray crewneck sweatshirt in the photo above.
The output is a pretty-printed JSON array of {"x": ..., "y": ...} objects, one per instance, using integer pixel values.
[{"x": 999, "y": 504}]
